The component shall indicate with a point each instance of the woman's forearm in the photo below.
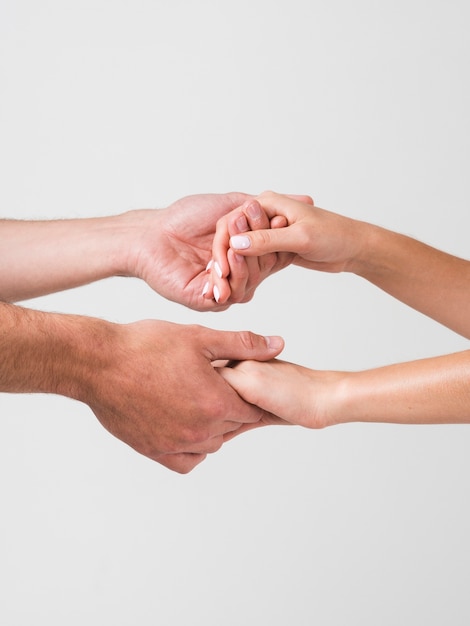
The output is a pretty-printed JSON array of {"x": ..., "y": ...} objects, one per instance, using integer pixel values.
[
  {"x": 432, "y": 282},
  {"x": 40, "y": 257},
  {"x": 427, "y": 391}
]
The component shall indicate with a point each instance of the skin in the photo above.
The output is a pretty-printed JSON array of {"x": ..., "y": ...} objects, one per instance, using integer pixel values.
[
  {"x": 168, "y": 248},
  {"x": 239, "y": 276},
  {"x": 152, "y": 384},
  {"x": 435, "y": 390}
]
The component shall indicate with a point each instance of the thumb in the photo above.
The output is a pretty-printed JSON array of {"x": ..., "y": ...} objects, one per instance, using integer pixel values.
[
  {"x": 241, "y": 346},
  {"x": 259, "y": 242}
]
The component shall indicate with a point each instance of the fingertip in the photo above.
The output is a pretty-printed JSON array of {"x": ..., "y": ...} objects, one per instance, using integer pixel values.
[
  {"x": 240, "y": 242},
  {"x": 275, "y": 343},
  {"x": 279, "y": 221},
  {"x": 221, "y": 291}
]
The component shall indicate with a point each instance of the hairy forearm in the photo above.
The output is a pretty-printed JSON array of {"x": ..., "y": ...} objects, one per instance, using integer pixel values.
[
  {"x": 50, "y": 353},
  {"x": 428, "y": 391},
  {"x": 40, "y": 257},
  {"x": 430, "y": 281}
]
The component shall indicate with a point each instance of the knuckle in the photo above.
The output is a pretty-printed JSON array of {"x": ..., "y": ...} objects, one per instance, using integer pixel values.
[
  {"x": 221, "y": 223},
  {"x": 216, "y": 444},
  {"x": 248, "y": 296},
  {"x": 255, "y": 277},
  {"x": 249, "y": 368},
  {"x": 237, "y": 297},
  {"x": 186, "y": 462},
  {"x": 192, "y": 330},
  {"x": 248, "y": 339},
  {"x": 267, "y": 262},
  {"x": 263, "y": 237},
  {"x": 267, "y": 195},
  {"x": 174, "y": 447},
  {"x": 196, "y": 435}
]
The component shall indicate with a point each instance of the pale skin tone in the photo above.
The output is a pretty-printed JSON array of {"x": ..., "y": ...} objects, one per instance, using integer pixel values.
[
  {"x": 151, "y": 383},
  {"x": 434, "y": 390}
]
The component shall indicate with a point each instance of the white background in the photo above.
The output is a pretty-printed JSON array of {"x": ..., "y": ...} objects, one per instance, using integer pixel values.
[{"x": 107, "y": 106}]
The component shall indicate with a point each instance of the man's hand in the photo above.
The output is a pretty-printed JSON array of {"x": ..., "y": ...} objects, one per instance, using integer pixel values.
[
  {"x": 168, "y": 248},
  {"x": 174, "y": 245},
  {"x": 160, "y": 393},
  {"x": 152, "y": 384}
]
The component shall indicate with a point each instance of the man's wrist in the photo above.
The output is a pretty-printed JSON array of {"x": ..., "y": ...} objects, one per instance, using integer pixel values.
[
  {"x": 132, "y": 245},
  {"x": 90, "y": 343},
  {"x": 51, "y": 353}
]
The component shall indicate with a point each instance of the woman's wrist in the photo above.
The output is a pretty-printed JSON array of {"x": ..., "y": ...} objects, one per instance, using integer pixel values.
[{"x": 369, "y": 244}]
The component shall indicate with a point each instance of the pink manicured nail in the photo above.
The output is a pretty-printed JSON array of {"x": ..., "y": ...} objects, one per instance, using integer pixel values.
[
  {"x": 218, "y": 271},
  {"x": 205, "y": 289},
  {"x": 240, "y": 242},
  {"x": 216, "y": 293},
  {"x": 209, "y": 265}
]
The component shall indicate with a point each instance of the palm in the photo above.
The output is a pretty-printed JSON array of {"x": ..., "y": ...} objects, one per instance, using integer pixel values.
[{"x": 178, "y": 249}]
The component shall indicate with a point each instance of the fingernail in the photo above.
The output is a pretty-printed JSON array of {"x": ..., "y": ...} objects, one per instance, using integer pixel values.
[
  {"x": 242, "y": 224},
  {"x": 274, "y": 343},
  {"x": 209, "y": 265},
  {"x": 240, "y": 242},
  {"x": 205, "y": 289},
  {"x": 218, "y": 271},
  {"x": 216, "y": 293},
  {"x": 254, "y": 210}
]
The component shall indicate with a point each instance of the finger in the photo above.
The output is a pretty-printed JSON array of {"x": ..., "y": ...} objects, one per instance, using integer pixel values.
[
  {"x": 219, "y": 286},
  {"x": 257, "y": 266},
  {"x": 214, "y": 443},
  {"x": 248, "y": 216},
  {"x": 216, "y": 267},
  {"x": 278, "y": 221},
  {"x": 278, "y": 208},
  {"x": 256, "y": 217},
  {"x": 244, "y": 272},
  {"x": 301, "y": 198},
  {"x": 240, "y": 271},
  {"x": 243, "y": 428},
  {"x": 232, "y": 287},
  {"x": 229, "y": 279},
  {"x": 239, "y": 275},
  {"x": 181, "y": 462},
  {"x": 288, "y": 206},
  {"x": 265, "y": 241},
  {"x": 239, "y": 346},
  {"x": 268, "y": 420},
  {"x": 220, "y": 245}
]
